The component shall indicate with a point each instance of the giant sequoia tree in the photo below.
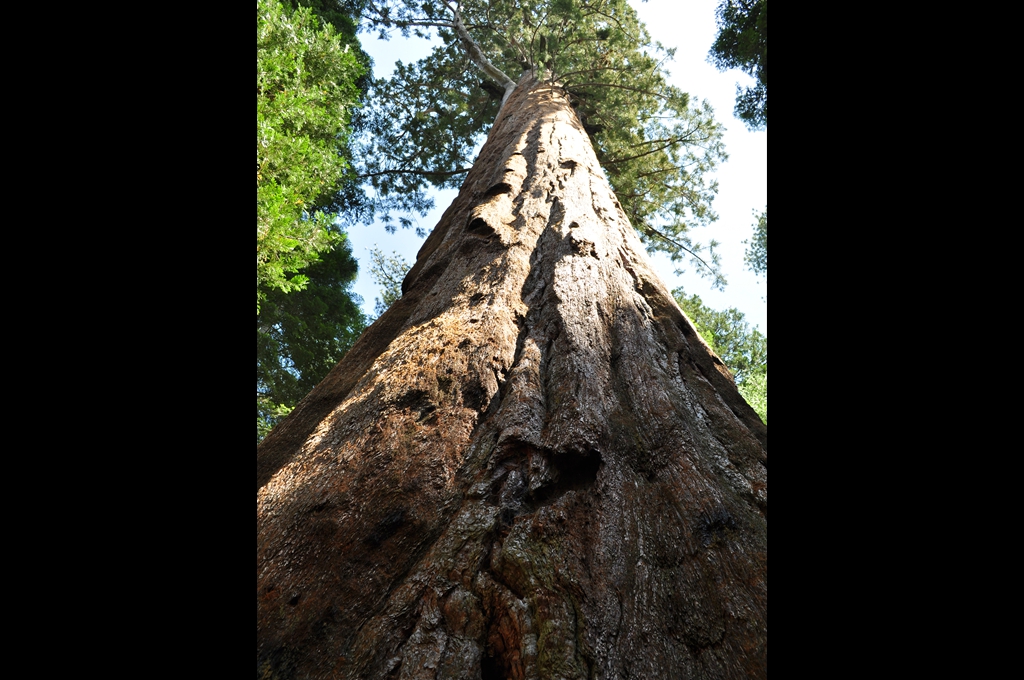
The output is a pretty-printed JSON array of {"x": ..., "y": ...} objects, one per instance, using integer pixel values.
[{"x": 530, "y": 466}]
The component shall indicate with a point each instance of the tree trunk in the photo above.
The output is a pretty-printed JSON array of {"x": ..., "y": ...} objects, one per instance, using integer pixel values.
[{"x": 531, "y": 466}]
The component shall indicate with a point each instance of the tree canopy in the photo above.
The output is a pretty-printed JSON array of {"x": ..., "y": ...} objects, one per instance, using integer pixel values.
[
  {"x": 742, "y": 43},
  {"x": 656, "y": 146},
  {"x": 306, "y": 89}
]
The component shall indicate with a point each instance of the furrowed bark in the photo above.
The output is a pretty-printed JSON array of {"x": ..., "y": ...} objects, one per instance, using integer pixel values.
[{"x": 530, "y": 467}]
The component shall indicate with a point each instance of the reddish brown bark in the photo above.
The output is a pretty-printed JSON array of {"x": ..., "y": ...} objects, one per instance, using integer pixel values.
[{"x": 530, "y": 467}]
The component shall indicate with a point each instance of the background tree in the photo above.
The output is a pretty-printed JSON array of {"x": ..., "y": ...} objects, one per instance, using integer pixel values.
[
  {"x": 305, "y": 92},
  {"x": 309, "y": 74},
  {"x": 756, "y": 256},
  {"x": 530, "y": 466},
  {"x": 742, "y": 350},
  {"x": 387, "y": 272},
  {"x": 755, "y": 390},
  {"x": 742, "y": 43},
  {"x": 302, "y": 335}
]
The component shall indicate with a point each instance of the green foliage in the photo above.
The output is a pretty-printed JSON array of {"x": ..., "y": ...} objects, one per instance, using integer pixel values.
[
  {"x": 756, "y": 256},
  {"x": 309, "y": 75},
  {"x": 269, "y": 414},
  {"x": 657, "y": 147},
  {"x": 423, "y": 130},
  {"x": 743, "y": 351},
  {"x": 339, "y": 14},
  {"x": 755, "y": 390},
  {"x": 301, "y": 335},
  {"x": 742, "y": 43},
  {"x": 305, "y": 92},
  {"x": 387, "y": 272}
]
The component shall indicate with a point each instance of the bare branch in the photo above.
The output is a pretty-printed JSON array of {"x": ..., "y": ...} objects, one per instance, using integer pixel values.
[
  {"x": 476, "y": 54},
  {"x": 651, "y": 231},
  {"x": 427, "y": 173}
]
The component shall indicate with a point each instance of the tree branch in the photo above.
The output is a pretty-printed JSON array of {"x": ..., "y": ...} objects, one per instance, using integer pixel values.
[
  {"x": 620, "y": 87},
  {"x": 599, "y": 68},
  {"x": 651, "y": 231},
  {"x": 383, "y": 18},
  {"x": 477, "y": 56},
  {"x": 667, "y": 144},
  {"x": 446, "y": 173}
]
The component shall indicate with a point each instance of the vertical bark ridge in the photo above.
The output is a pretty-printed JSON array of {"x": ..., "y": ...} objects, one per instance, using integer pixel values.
[{"x": 534, "y": 469}]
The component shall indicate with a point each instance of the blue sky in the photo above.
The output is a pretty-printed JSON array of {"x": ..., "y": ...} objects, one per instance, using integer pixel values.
[{"x": 689, "y": 26}]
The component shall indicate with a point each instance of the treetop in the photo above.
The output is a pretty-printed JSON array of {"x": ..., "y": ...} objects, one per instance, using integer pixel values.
[{"x": 657, "y": 147}]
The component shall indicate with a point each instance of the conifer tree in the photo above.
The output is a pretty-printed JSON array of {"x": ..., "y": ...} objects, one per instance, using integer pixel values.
[
  {"x": 309, "y": 74},
  {"x": 531, "y": 465},
  {"x": 742, "y": 43},
  {"x": 305, "y": 93}
]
